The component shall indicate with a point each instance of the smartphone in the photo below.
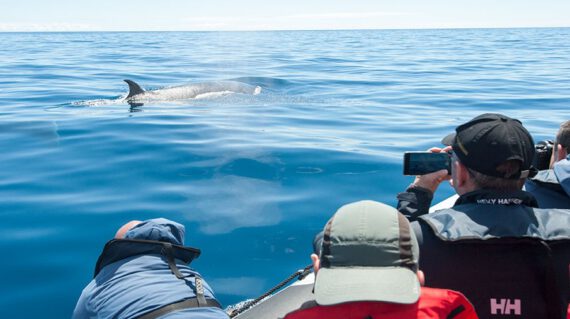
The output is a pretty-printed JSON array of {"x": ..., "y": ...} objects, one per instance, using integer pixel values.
[{"x": 421, "y": 163}]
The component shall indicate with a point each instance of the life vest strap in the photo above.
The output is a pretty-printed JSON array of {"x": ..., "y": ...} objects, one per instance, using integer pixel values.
[
  {"x": 168, "y": 253},
  {"x": 184, "y": 304},
  {"x": 200, "y": 291}
]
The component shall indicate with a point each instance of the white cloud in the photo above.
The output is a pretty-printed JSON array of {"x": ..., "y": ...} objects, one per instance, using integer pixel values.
[
  {"x": 48, "y": 27},
  {"x": 329, "y": 20},
  {"x": 347, "y": 15}
]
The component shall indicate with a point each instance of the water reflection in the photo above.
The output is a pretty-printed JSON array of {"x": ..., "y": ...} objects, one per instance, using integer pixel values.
[
  {"x": 239, "y": 286},
  {"x": 135, "y": 106},
  {"x": 225, "y": 203},
  {"x": 31, "y": 132}
]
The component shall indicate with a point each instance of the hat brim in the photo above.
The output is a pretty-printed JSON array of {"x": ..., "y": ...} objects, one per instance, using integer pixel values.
[
  {"x": 349, "y": 284},
  {"x": 449, "y": 139}
]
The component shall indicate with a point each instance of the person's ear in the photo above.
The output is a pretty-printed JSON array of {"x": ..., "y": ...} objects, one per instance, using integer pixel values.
[
  {"x": 421, "y": 277},
  {"x": 460, "y": 177},
  {"x": 316, "y": 262},
  {"x": 463, "y": 173}
]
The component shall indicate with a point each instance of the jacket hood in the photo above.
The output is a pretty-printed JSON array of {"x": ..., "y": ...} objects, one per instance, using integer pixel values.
[
  {"x": 159, "y": 229},
  {"x": 562, "y": 171}
]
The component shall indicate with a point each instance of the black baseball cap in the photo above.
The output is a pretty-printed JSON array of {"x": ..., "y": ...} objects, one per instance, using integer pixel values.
[{"x": 491, "y": 139}]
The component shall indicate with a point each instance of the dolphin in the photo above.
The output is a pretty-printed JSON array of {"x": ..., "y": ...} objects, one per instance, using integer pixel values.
[{"x": 138, "y": 95}]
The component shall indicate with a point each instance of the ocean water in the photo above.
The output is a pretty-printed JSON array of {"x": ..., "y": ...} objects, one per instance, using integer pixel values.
[{"x": 252, "y": 177}]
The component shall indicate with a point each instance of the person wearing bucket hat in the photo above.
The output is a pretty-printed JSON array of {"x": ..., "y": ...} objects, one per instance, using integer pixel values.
[
  {"x": 366, "y": 265},
  {"x": 494, "y": 245}
]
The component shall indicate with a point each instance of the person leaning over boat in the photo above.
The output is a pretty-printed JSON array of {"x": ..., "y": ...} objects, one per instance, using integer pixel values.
[
  {"x": 143, "y": 274},
  {"x": 551, "y": 187},
  {"x": 367, "y": 267},
  {"x": 507, "y": 256}
]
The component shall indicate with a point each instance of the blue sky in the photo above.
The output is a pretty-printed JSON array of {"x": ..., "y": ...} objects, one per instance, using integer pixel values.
[{"x": 143, "y": 15}]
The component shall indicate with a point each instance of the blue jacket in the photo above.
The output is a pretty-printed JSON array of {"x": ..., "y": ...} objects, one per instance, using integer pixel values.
[
  {"x": 551, "y": 188},
  {"x": 136, "y": 285}
]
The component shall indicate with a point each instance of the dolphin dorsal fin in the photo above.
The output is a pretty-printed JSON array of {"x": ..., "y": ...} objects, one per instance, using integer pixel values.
[{"x": 134, "y": 88}]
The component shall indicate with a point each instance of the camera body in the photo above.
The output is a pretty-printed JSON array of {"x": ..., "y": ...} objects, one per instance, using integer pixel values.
[{"x": 543, "y": 153}]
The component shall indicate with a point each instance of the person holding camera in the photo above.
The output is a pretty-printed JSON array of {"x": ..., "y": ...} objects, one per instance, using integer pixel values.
[
  {"x": 551, "y": 186},
  {"x": 507, "y": 256}
]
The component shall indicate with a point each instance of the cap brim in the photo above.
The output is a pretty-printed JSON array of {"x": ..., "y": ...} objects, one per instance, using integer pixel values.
[
  {"x": 449, "y": 139},
  {"x": 387, "y": 284}
]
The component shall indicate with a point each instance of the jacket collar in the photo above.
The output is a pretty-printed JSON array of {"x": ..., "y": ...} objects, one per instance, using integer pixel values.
[
  {"x": 492, "y": 197},
  {"x": 119, "y": 249}
]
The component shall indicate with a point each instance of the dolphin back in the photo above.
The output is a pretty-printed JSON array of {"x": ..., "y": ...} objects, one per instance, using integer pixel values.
[{"x": 134, "y": 89}]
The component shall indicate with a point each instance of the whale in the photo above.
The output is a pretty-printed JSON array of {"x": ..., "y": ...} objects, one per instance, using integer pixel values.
[{"x": 138, "y": 95}]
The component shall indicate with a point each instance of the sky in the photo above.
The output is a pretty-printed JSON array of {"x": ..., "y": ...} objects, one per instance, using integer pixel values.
[{"x": 235, "y": 15}]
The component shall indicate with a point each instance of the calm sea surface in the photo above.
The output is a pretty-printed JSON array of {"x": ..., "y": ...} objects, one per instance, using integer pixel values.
[{"x": 252, "y": 178}]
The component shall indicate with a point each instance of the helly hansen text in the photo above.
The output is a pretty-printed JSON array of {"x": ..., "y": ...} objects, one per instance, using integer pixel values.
[{"x": 505, "y": 306}]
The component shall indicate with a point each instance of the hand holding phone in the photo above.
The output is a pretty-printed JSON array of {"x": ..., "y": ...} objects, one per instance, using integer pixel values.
[{"x": 421, "y": 163}]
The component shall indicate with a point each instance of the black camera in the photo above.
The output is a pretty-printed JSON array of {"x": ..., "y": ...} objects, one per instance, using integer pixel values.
[{"x": 543, "y": 153}]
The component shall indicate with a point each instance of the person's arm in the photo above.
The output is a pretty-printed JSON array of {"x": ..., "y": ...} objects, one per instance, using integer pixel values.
[
  {"x": 81, "y": 310},
  {"x": 414, "y": 202}
]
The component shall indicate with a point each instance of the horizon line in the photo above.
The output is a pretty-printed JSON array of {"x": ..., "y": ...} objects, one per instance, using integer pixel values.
[{"x": 285, "y": 30}]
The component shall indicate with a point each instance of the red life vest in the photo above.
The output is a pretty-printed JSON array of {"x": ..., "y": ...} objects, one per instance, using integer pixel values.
[{"x": 433, "y": 304}]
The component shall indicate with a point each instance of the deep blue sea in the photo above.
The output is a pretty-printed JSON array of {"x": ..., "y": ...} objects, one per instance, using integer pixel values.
[{"x": 252, "y": 177}]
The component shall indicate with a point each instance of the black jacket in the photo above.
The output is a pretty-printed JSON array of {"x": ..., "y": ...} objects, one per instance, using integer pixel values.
[{"x": 501, "y": 251}]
